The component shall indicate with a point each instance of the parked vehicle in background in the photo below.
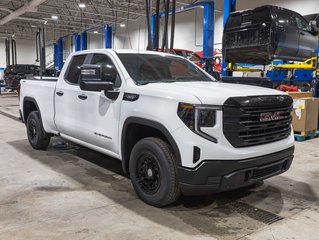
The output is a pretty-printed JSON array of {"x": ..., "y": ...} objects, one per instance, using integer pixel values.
[
  {"x": 217, "y": 59},
  {"x": 188, "y": 54},
  {"x": 266, "y": 33},
  {"x": 173, "y": 126},
  {"x": 13, "y": 74}
]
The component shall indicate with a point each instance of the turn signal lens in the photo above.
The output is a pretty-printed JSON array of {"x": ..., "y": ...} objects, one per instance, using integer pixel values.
[{"x": 186, "y": 113}]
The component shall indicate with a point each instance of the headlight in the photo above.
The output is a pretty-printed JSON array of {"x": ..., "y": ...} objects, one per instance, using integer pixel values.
[
  {"x": 206, "y": 117},
  {"x": 197, "y": 116}
]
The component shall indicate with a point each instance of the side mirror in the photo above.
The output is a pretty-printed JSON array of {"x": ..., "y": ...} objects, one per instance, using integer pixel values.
[
  {"x": 314, "y": 25},
  {"x": 91, "y": 79}
]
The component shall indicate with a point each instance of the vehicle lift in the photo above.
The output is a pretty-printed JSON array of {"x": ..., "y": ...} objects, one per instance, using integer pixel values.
[
  {"x": 208, "y": 28},
  {"x": 80, "y": 41}
]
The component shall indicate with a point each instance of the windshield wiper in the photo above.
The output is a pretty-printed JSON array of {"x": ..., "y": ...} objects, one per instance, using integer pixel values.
[{"x": 160, "y": 81}]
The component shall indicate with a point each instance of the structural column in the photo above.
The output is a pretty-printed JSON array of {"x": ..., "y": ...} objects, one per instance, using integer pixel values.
[
  {"x": 77, "y": 42},
  {"x": 229, "y": 7},
  {"x": 208, "y": 30},
  {"x": 84, "y": 40},
  {"x": 59, "y": 55},
  {"x": 108, "y": 36}
]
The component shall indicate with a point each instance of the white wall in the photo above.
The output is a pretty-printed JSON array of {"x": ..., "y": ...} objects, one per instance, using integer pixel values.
[
  {"x": 2, "y": 53},
  {"x": 135, "y": 36},
  {"x": 26, "y": 53},
  {"x": 132, "y": 36},
  {"x": 95, "y": 40}
]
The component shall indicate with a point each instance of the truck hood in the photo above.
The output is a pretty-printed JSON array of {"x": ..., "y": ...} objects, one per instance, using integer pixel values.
[{"x": 211, "y": 92}]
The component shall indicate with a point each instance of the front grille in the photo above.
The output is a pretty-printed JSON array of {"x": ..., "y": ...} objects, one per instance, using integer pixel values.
[
  {"x": 250, "y": 121},
  {"x": 247, "y": 38}
]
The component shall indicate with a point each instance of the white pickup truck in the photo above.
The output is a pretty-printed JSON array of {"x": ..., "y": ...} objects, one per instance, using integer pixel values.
[{"x": 175, "y": 129}]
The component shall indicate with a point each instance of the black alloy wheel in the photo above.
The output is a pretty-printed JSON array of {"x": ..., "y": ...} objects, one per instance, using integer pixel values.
[{"x": 153, "y": 172}]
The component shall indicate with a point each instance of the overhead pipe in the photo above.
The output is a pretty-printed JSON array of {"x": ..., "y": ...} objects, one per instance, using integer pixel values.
[
  {"x": 27, "y": 7},
  {"x": 40, "y": 40},
  {"x": 148, "y": 8},
  {"x": 6, "y": 10},
  {"x": 157, "y": 24},
  {"x": 22, "y": 18},
  {"x": 37, "y": 46},
  {"x": 43, "y": 51},
  {"x": 32, "y": 19},
  {"x": 173, "y": 25},
  {"x": 7, "y": 45},
  {"x": 165, "y": 37},
  {"x": 14, "y": 51}
]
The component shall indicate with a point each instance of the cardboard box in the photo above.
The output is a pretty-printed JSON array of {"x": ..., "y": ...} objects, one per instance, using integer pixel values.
[
  {"x": 295, "y": 95},
  {"x": 305, "y": 114}
]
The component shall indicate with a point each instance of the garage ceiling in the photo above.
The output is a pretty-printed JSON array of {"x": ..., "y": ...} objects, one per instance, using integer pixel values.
[{"x": 71, "y": 18}]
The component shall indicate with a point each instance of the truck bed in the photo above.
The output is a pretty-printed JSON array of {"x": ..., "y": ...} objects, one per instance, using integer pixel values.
[{"x": 43, "y": 92}]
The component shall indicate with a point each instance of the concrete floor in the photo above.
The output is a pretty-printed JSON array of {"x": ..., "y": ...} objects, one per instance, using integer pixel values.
[{"x": 69, "y": 192}]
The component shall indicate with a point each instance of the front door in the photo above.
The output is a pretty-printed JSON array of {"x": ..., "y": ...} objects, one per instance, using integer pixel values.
[
  {"x": 101, "y": 115},
  {"x": 287, "y": 33},
  {"x": 308, "y": 42}
]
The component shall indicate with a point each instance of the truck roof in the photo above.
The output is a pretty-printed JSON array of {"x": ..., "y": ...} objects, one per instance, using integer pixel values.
[{"x": 131, "y": 51}]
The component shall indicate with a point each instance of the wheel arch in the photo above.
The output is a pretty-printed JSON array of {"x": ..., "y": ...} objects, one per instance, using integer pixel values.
[
  {"x": 29, "y": 105},
  {"x": 128, "y": 141}
]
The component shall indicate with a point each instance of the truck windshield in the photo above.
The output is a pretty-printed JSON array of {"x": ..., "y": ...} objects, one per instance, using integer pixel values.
[{"x": 154, "y": 68}]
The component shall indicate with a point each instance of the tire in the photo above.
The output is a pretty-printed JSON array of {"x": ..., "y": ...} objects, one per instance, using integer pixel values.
[
  {"x": 153, "y": 172},
  {"x": 37, "y": 137}
]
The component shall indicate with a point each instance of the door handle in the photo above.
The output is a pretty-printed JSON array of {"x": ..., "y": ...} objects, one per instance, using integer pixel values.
[
  {"x": 82, "y": 97},
  {"x": 60, "y": 93}
]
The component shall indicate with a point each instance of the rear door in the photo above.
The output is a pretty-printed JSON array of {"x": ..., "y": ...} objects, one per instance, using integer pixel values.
[
  {"x": 68, "y": 105},
  {"x": 287, "y": 34},
  {"x": 307, "y": 40}
]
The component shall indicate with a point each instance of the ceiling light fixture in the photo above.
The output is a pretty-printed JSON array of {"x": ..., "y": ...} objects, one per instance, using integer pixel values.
[
  {"x": 122, "y": 25},
  {"x": 54, "y": 17},
  {"x": 96, "y": 32},
  {"x": 82, "y": 5}
]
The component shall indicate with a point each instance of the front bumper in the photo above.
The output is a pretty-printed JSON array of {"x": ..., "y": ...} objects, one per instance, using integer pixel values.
[{"x": 222, "y": 175}]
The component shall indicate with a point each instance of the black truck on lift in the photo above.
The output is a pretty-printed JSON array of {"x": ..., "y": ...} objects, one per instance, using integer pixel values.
[{"x": 266, "y": 33}]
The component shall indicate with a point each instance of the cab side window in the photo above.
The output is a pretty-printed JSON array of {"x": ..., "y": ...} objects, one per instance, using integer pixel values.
[
  {"x": 285, "y": 18},
  {"x": 74, "y": 70},
  {"x": 107, "y": 69},
  {"x": 302, "y": 23}
]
